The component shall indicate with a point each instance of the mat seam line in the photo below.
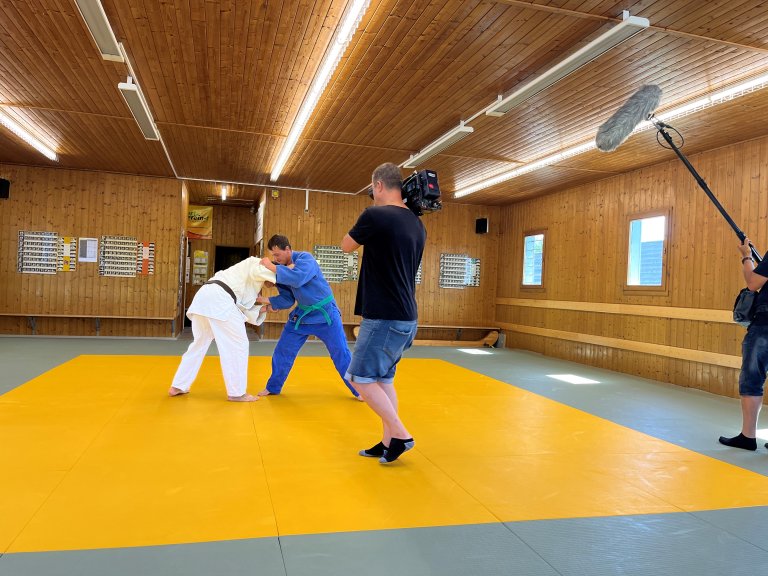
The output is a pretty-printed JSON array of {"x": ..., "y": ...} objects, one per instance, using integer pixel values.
[{"x": 269, "y": 491}]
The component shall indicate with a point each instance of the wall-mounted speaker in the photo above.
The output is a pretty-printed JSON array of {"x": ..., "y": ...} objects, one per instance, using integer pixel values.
[
  {"x": 481, "y": 226},
  {"x": 5, "y": 189}
]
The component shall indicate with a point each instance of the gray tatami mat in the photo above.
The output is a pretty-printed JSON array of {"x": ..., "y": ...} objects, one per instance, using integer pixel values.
[
  {"x": 657, "y": 545},
  {"x": 234, "y": 558}
]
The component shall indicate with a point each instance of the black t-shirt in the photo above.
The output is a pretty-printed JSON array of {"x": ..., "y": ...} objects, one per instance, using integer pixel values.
[
  {"x": 394, "y": 240},
  {"x": 761, "y": 317}
]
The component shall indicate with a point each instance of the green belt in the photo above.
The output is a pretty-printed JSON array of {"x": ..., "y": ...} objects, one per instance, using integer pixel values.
[{"x": 317, "y": 306}]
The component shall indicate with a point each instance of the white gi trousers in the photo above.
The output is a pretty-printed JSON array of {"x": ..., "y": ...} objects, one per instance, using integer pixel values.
[{"x": 232, "y": 342}]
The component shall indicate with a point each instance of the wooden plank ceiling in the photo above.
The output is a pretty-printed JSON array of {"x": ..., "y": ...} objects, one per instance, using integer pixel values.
[{"x": 225, "y": 79}]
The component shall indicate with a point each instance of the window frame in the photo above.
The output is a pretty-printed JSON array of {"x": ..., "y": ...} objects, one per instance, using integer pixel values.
[
  {"x": 663, "y": 289},
  {"x": 534, "y": 287}
]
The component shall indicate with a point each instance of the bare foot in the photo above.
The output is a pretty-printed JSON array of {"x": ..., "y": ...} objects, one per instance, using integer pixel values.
[
  {"x": 243, "y": 398},
  {"x": 264, "y": 392},
  {"x": 176, "y": 391}
]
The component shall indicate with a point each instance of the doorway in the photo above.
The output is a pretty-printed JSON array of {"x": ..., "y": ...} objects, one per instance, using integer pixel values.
[{"x": 227, "y": 256}]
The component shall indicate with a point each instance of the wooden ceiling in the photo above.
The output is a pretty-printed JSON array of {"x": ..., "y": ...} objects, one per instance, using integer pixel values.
[{"x": 225, "y": 79}]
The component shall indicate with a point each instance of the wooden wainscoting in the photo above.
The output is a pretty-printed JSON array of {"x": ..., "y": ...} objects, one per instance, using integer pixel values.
[
  {"x": 89, "y": 204},
  {"x": 682, "y": 334}
]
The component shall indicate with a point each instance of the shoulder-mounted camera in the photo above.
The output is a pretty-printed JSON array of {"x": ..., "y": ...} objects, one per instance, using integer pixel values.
[{"x": 421, "y": 193}]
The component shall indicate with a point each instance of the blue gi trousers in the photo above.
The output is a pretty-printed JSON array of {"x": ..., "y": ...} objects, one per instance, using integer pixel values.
[{"x": 291, "y": 341}]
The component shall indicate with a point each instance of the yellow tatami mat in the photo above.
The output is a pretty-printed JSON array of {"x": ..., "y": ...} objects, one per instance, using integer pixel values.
[{"x": 95, "y": 455}]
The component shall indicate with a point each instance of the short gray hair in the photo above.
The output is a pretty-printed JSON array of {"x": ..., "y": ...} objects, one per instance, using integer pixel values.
[{"x": 389, "y": 175}]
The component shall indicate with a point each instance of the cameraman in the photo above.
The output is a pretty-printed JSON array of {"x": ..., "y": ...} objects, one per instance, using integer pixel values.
[
  {"x": 754, "y": 353},
  {"x": 394, "y": 239}
]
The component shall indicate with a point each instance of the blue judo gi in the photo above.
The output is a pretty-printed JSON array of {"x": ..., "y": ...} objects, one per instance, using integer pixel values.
[{"x": 316, "y": 315}]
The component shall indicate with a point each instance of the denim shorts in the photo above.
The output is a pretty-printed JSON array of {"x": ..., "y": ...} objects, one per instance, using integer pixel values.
[
  {"x": 379, "y": 347},
  {"x": 754, "y": 361}
]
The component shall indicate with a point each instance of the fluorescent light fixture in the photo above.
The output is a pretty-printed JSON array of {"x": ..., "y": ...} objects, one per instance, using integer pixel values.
[
  {"x": 223, "y": 193},
  {"x": 25, "y": 135},
  {"x": 627, "y": 28},
  {"x": 349, "y": 23},
  {"x": 96, "y": 20},
  {"x": 139, "y": 109},
  {"x": 446, "y": 140},
  {"x": 708, "y": 101},
  {"x": 525, "y": 169},
  {"x": 473, "y": 351},
  {"x": 572, "y": 379}
]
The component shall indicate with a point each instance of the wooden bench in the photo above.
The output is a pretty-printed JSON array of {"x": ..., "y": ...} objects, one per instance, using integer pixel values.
[
  {"x": 489, "y": 339},
  {"x": 31, "y": 319}
]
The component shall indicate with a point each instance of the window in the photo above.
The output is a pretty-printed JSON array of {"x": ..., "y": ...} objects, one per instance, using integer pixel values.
[
  {"x": 646, "y": 251},
  {"x": 533, "y": 259}
]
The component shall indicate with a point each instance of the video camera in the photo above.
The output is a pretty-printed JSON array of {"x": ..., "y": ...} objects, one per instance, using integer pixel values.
[{"x": 421, "y": 192}]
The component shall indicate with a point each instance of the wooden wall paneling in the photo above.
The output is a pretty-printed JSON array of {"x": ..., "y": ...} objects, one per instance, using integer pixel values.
[
  {"x": 699, "y": 267},
  {"x": 585, "y": 226},
  {"x": 330, "y": 217},
  {"x": 14, "y": 325},
  {"x": 86, "y": 204}
]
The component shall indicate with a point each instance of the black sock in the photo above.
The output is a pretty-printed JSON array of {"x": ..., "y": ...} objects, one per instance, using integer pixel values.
[
  {"x": 740, "y": 441},
  {"x": 374, "y": 451},
  {"x": 396, "y": 447}
]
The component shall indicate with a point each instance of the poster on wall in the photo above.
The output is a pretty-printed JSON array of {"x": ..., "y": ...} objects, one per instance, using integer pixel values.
[
  {"x": 38, "y": 252},
  {"x": 117, "y": 256},
  {"x": 200, "y": 222},
  {"x": 200, "y": 267},
  {"x": 87, "y": 249},
  {"x": 67, "y": 254},
  {"x": 145, "y": 258},
  {"x": 335, "y": 264}
]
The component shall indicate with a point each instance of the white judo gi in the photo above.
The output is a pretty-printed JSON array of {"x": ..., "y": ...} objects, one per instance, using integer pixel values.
[{"x": 216, "y": 316}]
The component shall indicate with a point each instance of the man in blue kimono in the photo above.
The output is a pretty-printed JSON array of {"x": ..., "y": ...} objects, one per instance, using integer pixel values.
[{"x": 300, "y": 281}]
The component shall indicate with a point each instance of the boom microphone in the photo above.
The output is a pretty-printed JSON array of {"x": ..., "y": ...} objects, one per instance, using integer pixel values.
[{"x": 618, "y": 127}]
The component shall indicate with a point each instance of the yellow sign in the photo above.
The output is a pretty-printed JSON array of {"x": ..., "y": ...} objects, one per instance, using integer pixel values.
[
  {"x": 200, "y": 222},
  {"x": 67, "y": 255}
]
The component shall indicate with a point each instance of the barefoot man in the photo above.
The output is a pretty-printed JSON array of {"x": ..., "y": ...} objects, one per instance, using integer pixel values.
[{"x": 218, "y": 312}]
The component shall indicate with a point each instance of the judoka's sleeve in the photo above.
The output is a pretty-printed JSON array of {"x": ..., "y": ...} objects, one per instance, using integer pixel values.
[{"x": 283, "y": 300}]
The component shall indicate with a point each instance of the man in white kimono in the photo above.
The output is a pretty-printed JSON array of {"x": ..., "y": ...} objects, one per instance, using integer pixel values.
[{"x": 218, "y": 312}]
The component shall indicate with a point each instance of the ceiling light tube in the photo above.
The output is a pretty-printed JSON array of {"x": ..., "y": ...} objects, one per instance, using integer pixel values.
[
  {"x": 350, "y": 21},
  {"x": 446, "y": 140},
  {"x": 22, "y": 133},
  {"x": 627, "y": 28},
  {"x": 139, "y": 109},
  {"x": 98, "y": 25},
  {"x": 707, "y": 101},
  {"x": 525, "y": 169}
]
